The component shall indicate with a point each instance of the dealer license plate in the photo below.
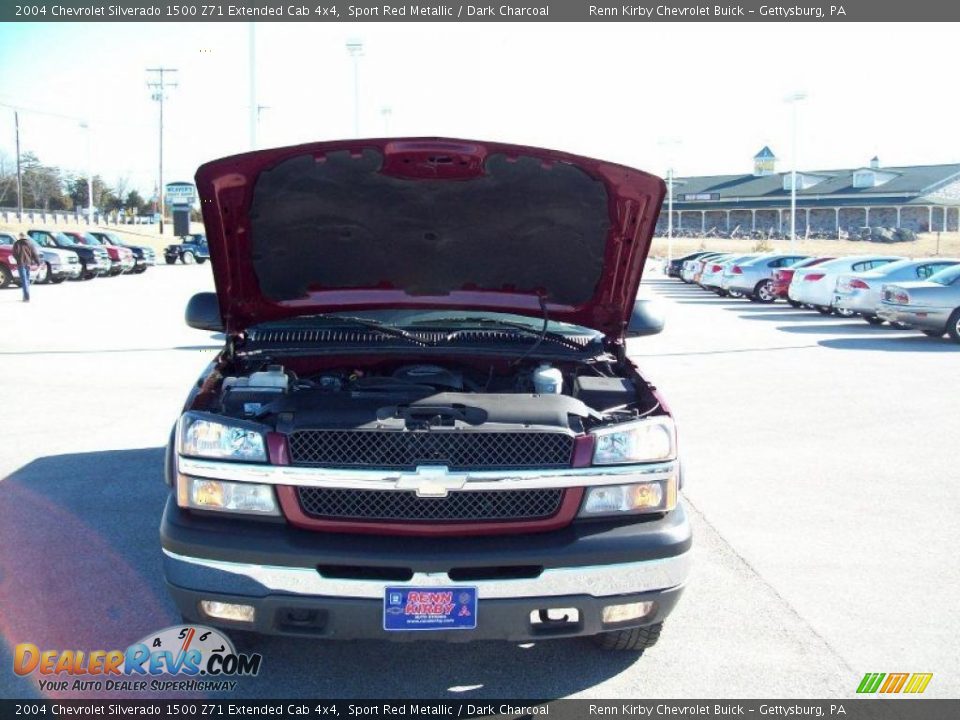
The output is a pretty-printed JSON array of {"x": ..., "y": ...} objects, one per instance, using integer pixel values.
[{"x": 426, "y": 608}]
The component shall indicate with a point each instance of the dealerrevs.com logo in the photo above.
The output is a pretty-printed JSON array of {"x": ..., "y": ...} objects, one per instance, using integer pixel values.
[{"x": 204, "y": 657}]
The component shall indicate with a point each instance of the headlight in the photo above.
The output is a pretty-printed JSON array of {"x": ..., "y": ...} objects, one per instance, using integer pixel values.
[
  {"x": 648, "y": 440},
  {"x": 646, "y": 497},
  {"x": 200, "y": 437},
  {"x": 237, "y": 497}
]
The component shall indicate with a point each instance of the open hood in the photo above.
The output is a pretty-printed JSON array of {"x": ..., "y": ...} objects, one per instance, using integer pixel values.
[{"x": 427, "y": 223}]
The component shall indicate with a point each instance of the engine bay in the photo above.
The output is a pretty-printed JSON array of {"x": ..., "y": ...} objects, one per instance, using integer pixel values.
[{"x": 572, "y": 396}]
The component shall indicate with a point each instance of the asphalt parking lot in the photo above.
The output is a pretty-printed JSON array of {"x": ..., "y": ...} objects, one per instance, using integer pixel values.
[{"x": 821, "y": 468}]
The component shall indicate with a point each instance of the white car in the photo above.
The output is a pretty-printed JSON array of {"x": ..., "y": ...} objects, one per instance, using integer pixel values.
[
  {"x": 692, "y": 268},
  {"x": 815, "y": 285},
  {"x": 712, "y": 276}
]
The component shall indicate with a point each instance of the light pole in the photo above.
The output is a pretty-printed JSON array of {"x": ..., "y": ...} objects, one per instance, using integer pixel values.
[
  {"x": 669, "y": 215},
  {"x": 355, "y": 50},
  {"x": 80, "y": 121},
  {"x": 86, "y": 126},
  {"x": 670, "y": 144},
  {"x": 159, "y": 86},
  {"x": 793, "y": 99}
]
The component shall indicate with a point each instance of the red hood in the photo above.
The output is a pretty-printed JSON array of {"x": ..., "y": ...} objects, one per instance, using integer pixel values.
[{"x": 427, "y": 223}]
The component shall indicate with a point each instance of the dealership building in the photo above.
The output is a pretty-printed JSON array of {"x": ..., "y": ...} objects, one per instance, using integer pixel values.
[{"x": 919, "y": 197}]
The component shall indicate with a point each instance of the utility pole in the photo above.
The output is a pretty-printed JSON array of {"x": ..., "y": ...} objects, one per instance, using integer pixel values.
[
  {"x": 159, "y": 84},
  {"x": 16, "y": 125}
]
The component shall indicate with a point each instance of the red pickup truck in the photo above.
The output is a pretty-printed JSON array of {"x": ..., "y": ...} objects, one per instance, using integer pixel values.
[{"x": 423, "y": 422}]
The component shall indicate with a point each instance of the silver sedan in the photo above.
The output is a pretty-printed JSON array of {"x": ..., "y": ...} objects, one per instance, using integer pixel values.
[
  {"x": 861, "y": 292},
  {"x": 754, "y": 278},
  {"x": 931, "y": 305}
]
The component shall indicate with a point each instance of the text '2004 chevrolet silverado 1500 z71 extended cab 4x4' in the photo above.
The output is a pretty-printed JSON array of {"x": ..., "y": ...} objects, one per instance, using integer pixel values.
[{"x": 424, "y": 418}]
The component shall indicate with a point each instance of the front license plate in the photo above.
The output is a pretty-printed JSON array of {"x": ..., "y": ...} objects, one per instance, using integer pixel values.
[{"x": 425, "y": 608}]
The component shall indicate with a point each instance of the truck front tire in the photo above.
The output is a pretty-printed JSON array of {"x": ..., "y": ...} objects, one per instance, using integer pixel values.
[{"x": 637, "y": 638}]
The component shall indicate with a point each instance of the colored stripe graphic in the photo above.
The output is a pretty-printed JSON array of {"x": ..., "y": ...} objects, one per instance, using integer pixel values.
[
  {"x": 870, "y": 682},
  {"x": 918, "y": 682},
  {"x": 894, "y": 683},
  {"x": 913, "y": 683}
]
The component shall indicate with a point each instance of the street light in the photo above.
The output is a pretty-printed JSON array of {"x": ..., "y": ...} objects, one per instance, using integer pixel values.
[
  {"x": 355, "y": 50},
  {"x": 793, "y": 99},
  {"x": 17, "y": 110},
  {"x": 86, "y": 126},
  {"x": 670, "y": 143}
]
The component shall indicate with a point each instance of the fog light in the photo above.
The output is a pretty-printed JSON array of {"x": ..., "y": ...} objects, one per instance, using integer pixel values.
[
  {"x": 629, "y": 611},
  {"x": 655, "y": 496},
  {"x": 204, "y": 494},
  {"x": 228, "y": 611}
]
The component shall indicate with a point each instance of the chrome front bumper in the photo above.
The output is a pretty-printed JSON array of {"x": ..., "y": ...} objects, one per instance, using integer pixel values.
[{"x": 595, "y": 580}]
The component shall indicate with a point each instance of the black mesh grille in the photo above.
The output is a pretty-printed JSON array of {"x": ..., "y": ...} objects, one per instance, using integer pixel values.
[
  {"x": 405, "y": 449},
  {"x": 458, "y": 506}
]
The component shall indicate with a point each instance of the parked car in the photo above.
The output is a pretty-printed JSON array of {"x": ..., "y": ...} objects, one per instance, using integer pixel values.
[
  {"x": 297, "y": 507},
  {"x": 9, "y": 269},
  {"x": 673, "y": 268},
  {"x": 58, "y": 265},
  {"x": 754, "y": 278},
  {"x": 861, "y": 292},
  {"x": 191, "y": 249},
  {"x": 712, "y": 276},
  {"x": 121, "y": 258},
  {"x": 692, "y": 268},
  {"x": 815, "y": 285},
  {"x": 94, "y": 261},
  {"x": 783, "y": 276},
  {"x": 143, "y": 255},
  {"x": 931, "y": 306}
]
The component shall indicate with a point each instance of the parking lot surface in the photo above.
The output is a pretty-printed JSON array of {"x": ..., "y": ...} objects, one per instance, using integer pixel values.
[{"x": 821, "y": 477}]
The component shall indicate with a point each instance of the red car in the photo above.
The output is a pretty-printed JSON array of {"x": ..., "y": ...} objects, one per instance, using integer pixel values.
[
  {"x": 8, "y": 263},
  {"x": 783, "y": 276},
  {"x": 121, "y": 258}
]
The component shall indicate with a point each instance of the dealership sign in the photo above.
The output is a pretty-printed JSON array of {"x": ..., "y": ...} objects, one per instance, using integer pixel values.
[{"x": 181, "y": 193}]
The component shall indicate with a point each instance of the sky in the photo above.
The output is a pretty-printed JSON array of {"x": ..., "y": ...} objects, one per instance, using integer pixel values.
[{"x": 702, "y": 98}]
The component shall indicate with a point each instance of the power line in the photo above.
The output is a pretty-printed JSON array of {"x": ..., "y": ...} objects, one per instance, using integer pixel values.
[{"x": 159, "y": 82}]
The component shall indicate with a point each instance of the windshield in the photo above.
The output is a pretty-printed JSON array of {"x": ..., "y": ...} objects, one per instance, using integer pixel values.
[
  {"x": 892, "y": 267},
  {"x": 63, "y": 239},
  {"x": 947, "y": 276},
  {"x": 88, "y": 239},
  {"x": 452, "y": 319}
]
